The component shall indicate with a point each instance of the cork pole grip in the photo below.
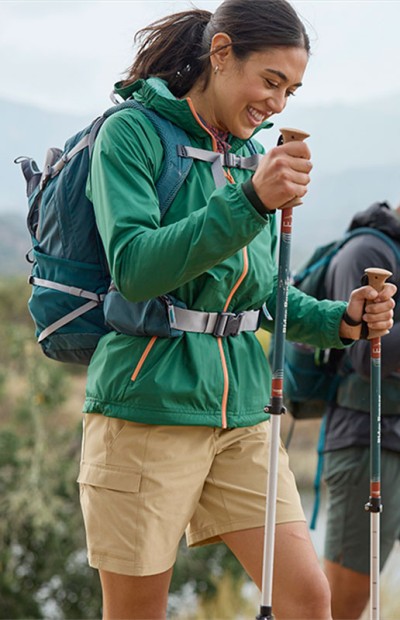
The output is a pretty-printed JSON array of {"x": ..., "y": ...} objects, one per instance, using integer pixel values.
[
  {"x": 290, "y": 135},
  {"x": 377, "y": 278}
]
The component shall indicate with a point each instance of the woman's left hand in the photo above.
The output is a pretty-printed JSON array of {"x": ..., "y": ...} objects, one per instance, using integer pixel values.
[{"x": 375, "y": 309}]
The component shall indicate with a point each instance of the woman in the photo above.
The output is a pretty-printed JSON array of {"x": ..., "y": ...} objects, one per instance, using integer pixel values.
[{"x": 175, "y": 435}]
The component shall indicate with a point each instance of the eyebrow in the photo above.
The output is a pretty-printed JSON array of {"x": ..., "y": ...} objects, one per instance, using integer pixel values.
[{"x": 282, "y": 76}]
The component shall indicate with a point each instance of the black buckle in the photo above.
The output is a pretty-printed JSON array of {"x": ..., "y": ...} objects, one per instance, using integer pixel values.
[
  {"x": 181, "y": 150},
  {"x": 228, "y": 324}
]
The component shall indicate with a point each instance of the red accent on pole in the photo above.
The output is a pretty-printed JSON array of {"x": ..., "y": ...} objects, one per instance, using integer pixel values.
[
  {"x": 277, "y": 388},
  {"x": 376, "y": 348},
  {"x": 286, "y": 223},
  {"x": 375, "y": 489}
]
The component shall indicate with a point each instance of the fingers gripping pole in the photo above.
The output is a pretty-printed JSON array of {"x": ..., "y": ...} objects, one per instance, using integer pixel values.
[
  {"x": 376, "y": 278},
  {"x": 276, "y": 407}
]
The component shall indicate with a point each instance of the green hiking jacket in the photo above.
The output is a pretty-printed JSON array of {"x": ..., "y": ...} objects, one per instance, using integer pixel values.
[{"x": 213, "y": 251}]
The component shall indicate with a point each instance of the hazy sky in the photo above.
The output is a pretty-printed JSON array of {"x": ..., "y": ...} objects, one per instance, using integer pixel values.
[{"x": 67, "y": 55}]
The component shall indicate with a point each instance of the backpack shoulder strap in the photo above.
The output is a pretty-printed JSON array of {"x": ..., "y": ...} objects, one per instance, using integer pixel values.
[
  {"x": 323, "y": 255},
  {"x": 252, "y": 147},
  {"x": 318, "y": 260},
  {"x": 175, "y": 168},
  {"x": 366, "y": 230}
]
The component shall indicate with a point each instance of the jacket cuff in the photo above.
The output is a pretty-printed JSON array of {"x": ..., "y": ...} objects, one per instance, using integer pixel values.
[{"x": 252, "y": 197}]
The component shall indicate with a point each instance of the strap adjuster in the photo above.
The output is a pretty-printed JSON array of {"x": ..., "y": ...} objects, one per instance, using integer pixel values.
[
  {"x": 228, "y": 324},
  {"x": 181, "y": 150},
  {"x": 232, "y": 161}
]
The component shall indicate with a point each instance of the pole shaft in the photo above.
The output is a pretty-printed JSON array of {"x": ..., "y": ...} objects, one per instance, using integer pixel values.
[
  {"x": 375, "y": 560},
  {"x": 276, "y": 404},
  {"x": 376, "y": 279},
  {"x": 375, "y": 475}
]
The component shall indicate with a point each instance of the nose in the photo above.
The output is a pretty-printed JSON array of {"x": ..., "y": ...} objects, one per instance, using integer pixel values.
[{"x": 277, "y": 102}]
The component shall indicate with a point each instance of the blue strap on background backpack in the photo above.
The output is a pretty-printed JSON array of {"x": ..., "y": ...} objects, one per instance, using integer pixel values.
[
  {"x": 311, "y": 277},
  {"x": 70, "y": 275}
]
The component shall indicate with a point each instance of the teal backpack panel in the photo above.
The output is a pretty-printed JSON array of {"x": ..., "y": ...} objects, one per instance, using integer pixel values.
[
  {"x": 310, "y": 379},
  {"x": 311, "y": 375},
  {"x": 70, "y": 276}
]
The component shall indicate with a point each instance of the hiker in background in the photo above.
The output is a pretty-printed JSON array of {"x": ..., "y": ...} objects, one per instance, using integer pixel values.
[
  {"x": 175, "y": 432},
  {"x": 347, "y": 440}
]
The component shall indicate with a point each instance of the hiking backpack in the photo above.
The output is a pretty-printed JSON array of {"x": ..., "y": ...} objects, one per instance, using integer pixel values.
[
  {"x": 70, "y": 275},
  {"x": 312, "y": 375},
  {"x": 73, "y": 301}
]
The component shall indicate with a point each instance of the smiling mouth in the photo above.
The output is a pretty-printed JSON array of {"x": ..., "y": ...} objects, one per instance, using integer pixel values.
[{"x": 257, "y": 116}]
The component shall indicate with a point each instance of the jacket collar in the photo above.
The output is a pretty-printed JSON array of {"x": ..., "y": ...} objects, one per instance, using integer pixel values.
[{"x": 154, "y": 94}]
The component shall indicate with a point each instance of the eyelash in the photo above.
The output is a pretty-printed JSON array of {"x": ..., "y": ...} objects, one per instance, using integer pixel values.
[{"x": 276, "y": 85}]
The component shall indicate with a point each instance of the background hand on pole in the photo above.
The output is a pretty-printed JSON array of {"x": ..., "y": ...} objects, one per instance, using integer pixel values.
[{"x": 372, "y": 304}]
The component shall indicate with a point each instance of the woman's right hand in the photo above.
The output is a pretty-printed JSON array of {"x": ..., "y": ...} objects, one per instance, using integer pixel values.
[{"x": 283, "y": 174}]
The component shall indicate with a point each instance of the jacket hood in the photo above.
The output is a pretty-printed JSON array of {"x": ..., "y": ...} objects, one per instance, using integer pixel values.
[
  {"x": 380, "y": 216},
  {"x": 155, "y": 94}
]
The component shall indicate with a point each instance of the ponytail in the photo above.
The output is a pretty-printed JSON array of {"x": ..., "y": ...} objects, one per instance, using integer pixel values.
[{"x": 173, "y": 49}]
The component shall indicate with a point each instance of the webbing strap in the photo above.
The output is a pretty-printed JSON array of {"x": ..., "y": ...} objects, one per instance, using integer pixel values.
[
  {"x": 51, "y": 171},
  {"x": 63, "y": 288},
  {"x": 204, "y": 155},
  {"x": 218, "y": 160},
  {"x": 59, "y": 165},
  {"x": 67, "y": 319},
  {"x": 216, "y": 323}
]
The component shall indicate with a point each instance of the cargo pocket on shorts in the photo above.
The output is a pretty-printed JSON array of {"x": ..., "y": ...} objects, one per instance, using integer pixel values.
[
  {"x": 109, "y": 498},
  {"x": 109, "y": 477}
]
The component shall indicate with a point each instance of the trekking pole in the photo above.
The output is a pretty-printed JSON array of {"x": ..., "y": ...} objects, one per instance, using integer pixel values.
[
  {"x": 276, "y": 407},
  {"x": 376, "y": 278}
]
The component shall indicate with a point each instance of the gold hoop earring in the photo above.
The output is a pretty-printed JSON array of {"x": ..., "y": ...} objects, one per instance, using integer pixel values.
[{"x": 216, "y": 69}]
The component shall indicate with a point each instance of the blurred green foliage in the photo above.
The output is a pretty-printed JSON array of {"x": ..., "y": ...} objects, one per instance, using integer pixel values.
[{"x": 43, "y": 566}]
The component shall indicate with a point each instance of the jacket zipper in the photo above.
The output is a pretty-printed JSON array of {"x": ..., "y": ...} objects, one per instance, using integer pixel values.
[
  {"x": 229, "y": 177},
  {"x": 221, "y": 350}
]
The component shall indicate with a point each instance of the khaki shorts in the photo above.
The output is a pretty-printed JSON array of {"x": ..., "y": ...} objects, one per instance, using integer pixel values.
[{"x": 143, "y": 485}]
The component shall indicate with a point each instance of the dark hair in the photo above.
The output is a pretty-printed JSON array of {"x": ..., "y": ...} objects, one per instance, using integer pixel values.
[{"x": 176, "y": 48}]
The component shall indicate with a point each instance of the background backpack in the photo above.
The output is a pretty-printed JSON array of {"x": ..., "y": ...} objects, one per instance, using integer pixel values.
[
  {"x": 312, "y": 375},
  {"x": 70, "y": 276}
]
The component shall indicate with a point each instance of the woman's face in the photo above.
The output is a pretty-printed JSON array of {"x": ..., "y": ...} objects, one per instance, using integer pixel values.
[{"x": 243, "y": 94}]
